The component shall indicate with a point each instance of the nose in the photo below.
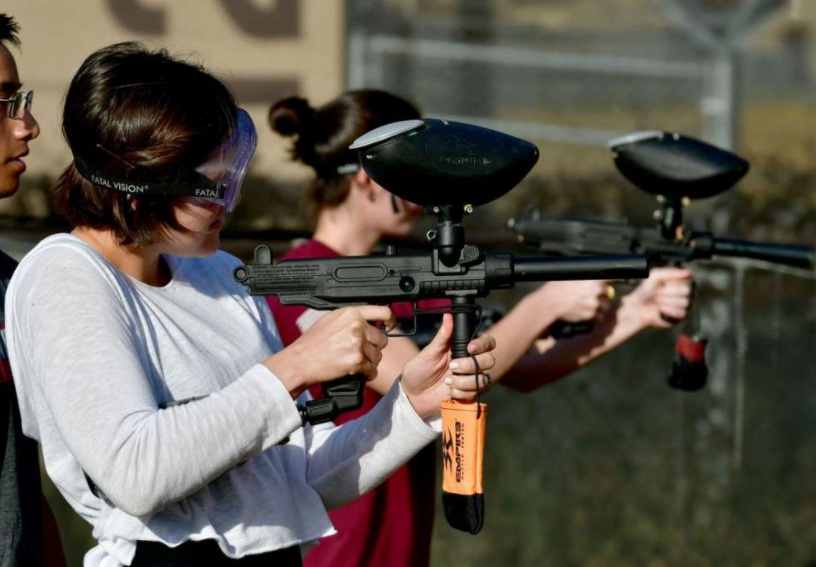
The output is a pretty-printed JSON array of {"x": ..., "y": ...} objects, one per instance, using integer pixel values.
[
  {"x": 412, "y": 208},
  {"x": 27, "y": 128}
]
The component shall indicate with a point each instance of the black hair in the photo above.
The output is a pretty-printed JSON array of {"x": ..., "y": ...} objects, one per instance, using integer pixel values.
[
  {"x": 9, "y": 30},
  {"x": 140, "y": 114},
  {"x": 323, "y": 135}
]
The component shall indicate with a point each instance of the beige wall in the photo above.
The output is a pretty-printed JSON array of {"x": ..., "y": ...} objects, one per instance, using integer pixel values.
[{"x": 263, "y": 49}]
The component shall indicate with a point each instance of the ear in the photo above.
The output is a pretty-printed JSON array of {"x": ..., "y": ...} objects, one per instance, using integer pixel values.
[
  {"x": 361, "y": 178},
  {"x": 362, "y": 182}
]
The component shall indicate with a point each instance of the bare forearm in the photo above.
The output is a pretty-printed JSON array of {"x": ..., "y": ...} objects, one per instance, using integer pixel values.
[
  {"x": 549, "y": 360},
  {"x": 398, "y": 352},
  {"x": 517, "y": 332}
]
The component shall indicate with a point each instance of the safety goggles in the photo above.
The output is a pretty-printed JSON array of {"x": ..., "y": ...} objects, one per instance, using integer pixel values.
[
  {"x": 218, "y": 179},
  {"x": 227, "y": 164},
  {"x": 18, "y": 104}
]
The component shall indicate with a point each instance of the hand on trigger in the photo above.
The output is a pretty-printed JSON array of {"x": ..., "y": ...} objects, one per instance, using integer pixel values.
[
  {"x": 663, "y": 299},
  {"x": 341, "y": 343},
  {"x": 583, "y": 300}
]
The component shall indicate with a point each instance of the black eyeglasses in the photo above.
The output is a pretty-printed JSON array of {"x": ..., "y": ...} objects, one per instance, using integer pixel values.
[{"x": 18, "y": 104}]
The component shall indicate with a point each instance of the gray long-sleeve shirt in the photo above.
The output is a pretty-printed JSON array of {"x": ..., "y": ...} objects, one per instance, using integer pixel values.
[{"x": 95, "y": 353}]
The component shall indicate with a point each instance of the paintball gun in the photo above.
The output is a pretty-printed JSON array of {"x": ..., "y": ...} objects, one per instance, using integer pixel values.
[
  {"x": 677, "y": 169},
  {"x": 449, "y": 168}
]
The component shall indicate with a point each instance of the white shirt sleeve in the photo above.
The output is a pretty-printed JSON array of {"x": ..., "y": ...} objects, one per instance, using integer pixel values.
[
  {"x": 78, "y": 351},
  {"x": 349, "y": 460},
  {"x": 73, "y": 340}
]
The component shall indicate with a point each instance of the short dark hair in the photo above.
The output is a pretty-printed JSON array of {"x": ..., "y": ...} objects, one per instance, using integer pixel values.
[
  {"x": 9, "y": 29},
  {"x": 141, "y": 114},
  {"x": 323, "y": 135}
]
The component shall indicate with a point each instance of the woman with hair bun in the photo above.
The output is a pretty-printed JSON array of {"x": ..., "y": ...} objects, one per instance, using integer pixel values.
[{"x": 392, "y": 525}]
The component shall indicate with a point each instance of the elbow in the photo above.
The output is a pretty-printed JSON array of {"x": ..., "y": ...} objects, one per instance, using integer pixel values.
[
  {"x": 135, "y": 483},
  {"x": 133, "y": 500},
  {"x": 138, "y": 508}
]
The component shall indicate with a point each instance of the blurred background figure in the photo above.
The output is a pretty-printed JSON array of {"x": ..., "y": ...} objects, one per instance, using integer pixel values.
[{"x": 392, "y": 524}]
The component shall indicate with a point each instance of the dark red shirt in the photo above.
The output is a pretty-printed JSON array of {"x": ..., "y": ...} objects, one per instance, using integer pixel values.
[{"x": 390, "y": 526}]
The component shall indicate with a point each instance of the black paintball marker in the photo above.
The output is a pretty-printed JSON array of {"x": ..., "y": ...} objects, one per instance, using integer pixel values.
[
  {"x": 677, "y": 169},
  {"x": 449, "y": 168}
]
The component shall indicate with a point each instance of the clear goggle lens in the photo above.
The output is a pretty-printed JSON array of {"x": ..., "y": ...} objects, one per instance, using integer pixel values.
[{"x": 227, "y": 164}]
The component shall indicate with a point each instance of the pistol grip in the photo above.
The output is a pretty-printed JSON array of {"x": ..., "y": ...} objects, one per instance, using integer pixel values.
[
  {"x": 347, "y": 392},
  {"x": 339, "y": 396}
]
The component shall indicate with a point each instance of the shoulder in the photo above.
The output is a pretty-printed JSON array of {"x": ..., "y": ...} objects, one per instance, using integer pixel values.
[
  {"x": 59, "y": 252},
  {"x": 63, "y": 282},
  {"x": 63, "y": 264}
]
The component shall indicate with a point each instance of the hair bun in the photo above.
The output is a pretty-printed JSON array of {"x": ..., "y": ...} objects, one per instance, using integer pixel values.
[{"x": 289, "y": 116}]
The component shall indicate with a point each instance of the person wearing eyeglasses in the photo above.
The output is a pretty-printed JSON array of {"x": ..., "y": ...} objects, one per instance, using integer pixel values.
[
  {"x": 169, "y": 413},
  {"x": 28, "y": 531},
  {"x": 18, "y": 126}
]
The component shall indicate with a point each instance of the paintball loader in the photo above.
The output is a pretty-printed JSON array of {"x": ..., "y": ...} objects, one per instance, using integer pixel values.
[
  {"x": 677, "y": 169},
  {"x": 449, "y": 168}
]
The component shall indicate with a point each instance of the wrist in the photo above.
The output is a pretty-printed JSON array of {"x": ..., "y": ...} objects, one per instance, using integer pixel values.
[
  {"x": 288, "y": 367},
  {"x": 633, "y": 313},
  {"x": 542, "y": 308},
  {"x": 424, "y": 408}
]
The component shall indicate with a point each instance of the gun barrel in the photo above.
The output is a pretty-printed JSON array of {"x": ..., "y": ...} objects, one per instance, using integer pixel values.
[
  {"x": 786, "y": 254},
  {"x": 617, "y": 267}
]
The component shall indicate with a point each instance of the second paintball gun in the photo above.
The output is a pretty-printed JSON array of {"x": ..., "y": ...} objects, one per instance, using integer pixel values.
[{"x": 677, "y": 169}]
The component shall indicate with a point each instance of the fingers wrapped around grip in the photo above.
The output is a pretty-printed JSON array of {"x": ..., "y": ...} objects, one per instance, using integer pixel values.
[
  {"x": 364, "y": 342},
  {"x": 470, "y": 376},
  {"x": 466, "y": 388},
  {"x": 432, "y": 377},
  {"x": 340, "y": 343}
]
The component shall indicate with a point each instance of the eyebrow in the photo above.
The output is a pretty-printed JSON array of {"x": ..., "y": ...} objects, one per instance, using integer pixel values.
[{"x": 10, "y": 86}]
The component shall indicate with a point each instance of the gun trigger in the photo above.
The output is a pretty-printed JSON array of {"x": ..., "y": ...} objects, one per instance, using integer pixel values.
[{"x": 409, "y": 333}]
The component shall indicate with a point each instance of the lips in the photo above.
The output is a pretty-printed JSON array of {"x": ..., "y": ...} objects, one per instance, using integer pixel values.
[
  {"x": 17, "y": 163},
  {"x": 21, "y": 155},
  {"x": 19, "y": 158}
]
